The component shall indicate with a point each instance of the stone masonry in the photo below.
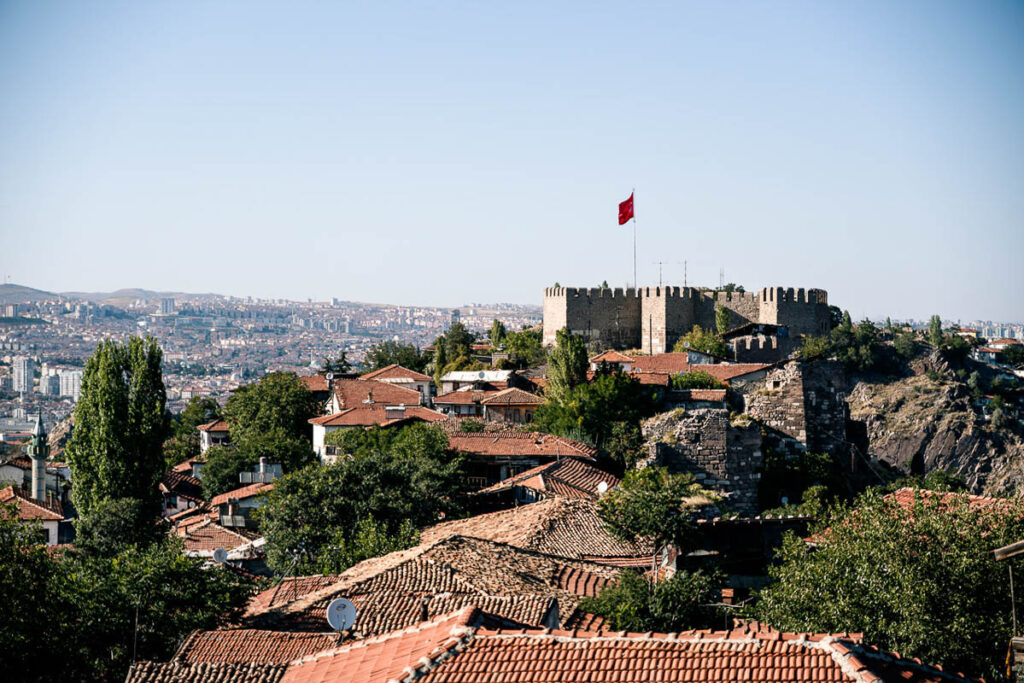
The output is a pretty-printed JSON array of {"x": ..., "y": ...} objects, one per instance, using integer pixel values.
[
  {"x": 723, "y": 456},
  {"x": 654, "y": 318}
]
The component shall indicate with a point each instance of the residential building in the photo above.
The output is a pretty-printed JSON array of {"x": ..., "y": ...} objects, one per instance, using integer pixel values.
[
  {"x": 24, "y": 374},
  {"x": 216, "y": 433},
  {"x": 70, "y": 383}
]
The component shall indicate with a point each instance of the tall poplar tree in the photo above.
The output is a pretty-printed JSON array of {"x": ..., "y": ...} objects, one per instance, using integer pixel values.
[
  {"x": 568, "y": 364},
  {"x": 115, "y": 450}
]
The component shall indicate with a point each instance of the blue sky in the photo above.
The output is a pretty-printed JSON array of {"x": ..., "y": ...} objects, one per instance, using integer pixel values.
[{"x": 443, "y": 153}]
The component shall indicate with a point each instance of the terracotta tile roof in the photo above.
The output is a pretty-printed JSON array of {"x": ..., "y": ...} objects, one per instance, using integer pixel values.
[
  {"x": 464, "y": 397},
  {"x": 513, "y": 584},
  {"x": 906, "y": 497},
  {"x": 377, "y": 414},
  {"x": 247, "y": 491},
  {"x": 182, "y": 484},
  {"x": 676, "y": 364},
  {"x": 316, "y": 383},
  {"x": 558, "y": 526},
  {"x": 518, "y": 443},
  {"x": 288, "y": 590},
  {"x": 396, "y": 372},
  {"x": 19, "y": 461},
  {"x": 241, "y": 646},
  {"x": 387, "y": 658},
  {"x": 672, "y": 363},
  {"x": 29, "y": 508},
  {"x": 204, "y": 672},
  {"x": 569, "y": 477},
  {"x": 611, "y": 356},
  {"x": 353, "y": 393},
  {"x": 186, "y": 466},
  {"x": 206, "y": 536},
  {"x": 215, "y": 426},
  {"x": 1006, "y": 340},
  {"x": 514, "y": 397}
]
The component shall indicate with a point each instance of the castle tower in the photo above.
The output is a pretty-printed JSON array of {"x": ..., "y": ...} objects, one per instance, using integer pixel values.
[{"x": 38, "y": 451}]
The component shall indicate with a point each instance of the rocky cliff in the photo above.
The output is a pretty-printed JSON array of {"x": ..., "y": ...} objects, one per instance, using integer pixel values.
[{"x": 921, "y": 423}]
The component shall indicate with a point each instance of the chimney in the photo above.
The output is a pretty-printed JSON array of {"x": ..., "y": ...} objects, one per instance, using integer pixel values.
[
  {"x": 263, "y": 466},
  {"x": 369, "y": 397}
]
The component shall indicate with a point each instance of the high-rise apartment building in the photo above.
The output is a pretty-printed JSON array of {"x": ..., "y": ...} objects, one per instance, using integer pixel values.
[
  {"x": 24, "y": 374},
  {"x": 71, "y": 383}
]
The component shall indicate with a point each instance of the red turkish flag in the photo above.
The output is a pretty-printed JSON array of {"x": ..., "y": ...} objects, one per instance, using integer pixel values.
[{"x": 626, "y": 210}]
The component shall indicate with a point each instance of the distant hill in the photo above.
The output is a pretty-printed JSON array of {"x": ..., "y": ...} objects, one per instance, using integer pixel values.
[
  {"x": 19, "y": 294},
  {"x": 126, "y": 296}
]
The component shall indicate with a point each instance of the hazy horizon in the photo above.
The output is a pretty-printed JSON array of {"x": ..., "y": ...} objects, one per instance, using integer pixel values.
[{"x": 447, "y": 154}]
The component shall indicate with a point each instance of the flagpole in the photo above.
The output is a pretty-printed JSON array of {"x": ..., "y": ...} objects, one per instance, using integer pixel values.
[{"x": 636, "y": 286}]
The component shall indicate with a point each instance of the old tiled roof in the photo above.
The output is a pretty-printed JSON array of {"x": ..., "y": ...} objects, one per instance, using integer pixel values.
[
  {"x": 185, "y": 467},
  {"x": 207, "y": 536},
  {"x": 240, "y": 646},
  {"x": 611, "y": 356},
  {"x": 462, "y": 647},
  {"x": 247, "y": 491},
  {"x": 291, "y": 588},
  {"x": 387, "y": 658},
  {"x": 204, "y": 672},
  {"x": 464, "y": 397},
  {"x": 315, "y": 383},
  {"x": 29, "y": 508},
  {"x": 906, "y": 497},
  {"x": 533, "y": 444},
  {"x": 182, "y": 484},
  {"x": 395, "y": 372},
  {"x": 215, "y": 426},
  {"x": 514, "y": 584},
  {"x": 512, "y": 396},
  {"x": 376, "y": 414},
  {"x": 355, "y": 393},
  {"x": 559, "y": 526},
  {"x": 569, "y": 477}
]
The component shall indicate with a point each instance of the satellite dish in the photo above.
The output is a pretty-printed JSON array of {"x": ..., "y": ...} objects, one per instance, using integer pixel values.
[
  {"x": 785, "y": 500},
  {"x": 482, "y": 374},
  {"x": 602, "y": 488},
  {"x": 341, "y": 614},
  {"x": 220, "y": 556}
]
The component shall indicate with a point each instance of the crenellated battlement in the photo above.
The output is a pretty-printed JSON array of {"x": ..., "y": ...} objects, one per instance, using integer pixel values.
[{"x": 653, "y": 318}]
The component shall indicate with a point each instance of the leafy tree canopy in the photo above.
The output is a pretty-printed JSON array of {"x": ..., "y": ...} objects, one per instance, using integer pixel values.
[
  {"x": 392, "y": 477},
  {"x": 391, "y": 352},
  {"x": 568, "y": 364},
  {"x": 184, "y": 441},
  {"x": 921, "y": 581},
  {"x": 704, "y": 341},
  {"x": 697, "y": 379},
  {"x": 1014, "y": 355},
  {"x": 812, "y": 347},
  {"x": 497, "y": 333},
  {"x": 525, "y": 347},
  {"x": 935, "y": 331},
  {"x": 279, "y": 404},
  {"x": 114, "y": 525},
  {"x": 224, "y": 464},
  {"x": 116, "y": 449},
  {"x": 676, "y": 604},
  {"x": 339, "y": 364},
  {"x": 721, "y": 319}
]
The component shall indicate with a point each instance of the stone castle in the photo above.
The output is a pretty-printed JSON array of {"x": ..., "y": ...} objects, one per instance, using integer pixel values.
[{"x": 652, "y": 319}]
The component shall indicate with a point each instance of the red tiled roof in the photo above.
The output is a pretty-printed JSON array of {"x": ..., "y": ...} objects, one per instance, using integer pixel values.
[
  {"x": 215, "y": 426},
  {"x": 396, "y": 372},
  {"x": 240, "y": 646},
  {"x": 518, "y": 443},
  {"x": 677, "y": 364},
  {"x": 208, "y": 535},
  {"x": 204, "y": 672},
  {"x": 185, "y": 466},
  {"x": 241, "y": 493},
  {"x": 354, "y": 393},
  {"x": 1006, "y": 340},
  {"x": 465, "y": 397},
  {"x": 513, "y": 397},
  {"x": 29, "y": 508},
  {"x": 377, "y": 414},
  {"x": 611, "y": 356},
  {"x": 316, "y": 383},
  {"x": 288, "y": 590},
  {"x": 906, "y": 497},
  {"x": 386, "y": 658},
  {"x": 182, "y": 484},
  {"x": 569, "y": 477}
]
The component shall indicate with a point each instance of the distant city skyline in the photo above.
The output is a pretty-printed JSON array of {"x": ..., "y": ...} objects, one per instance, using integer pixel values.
[{"x": 439, "y": 155}]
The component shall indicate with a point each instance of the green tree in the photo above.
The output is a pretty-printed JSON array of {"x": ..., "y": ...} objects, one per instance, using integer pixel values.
[
  {"x": 440, "y": 361},
  {"x": 457, "y": 342},
  {"x": 392, "y": 477},
  {"x": 604, "y": 284},
  {"x": 721, "y": 319},
  {"x": 704, "y": 341},
  {"x": 1014, "y": 355},
  {"x": 651, "y": 505},
  {"x": 224, "y": 464},
  {"x": 116, "y": 448},
  {"x": 921, "y": 581},
  {"x": 497, "y": 333},
  {"x": 567, "y": 366},
  {"x": 905, "y": 345},
  {"x": 390, "y": 352},
  {"x": 696, "y": 379},
  {"x": 676, "y": 604},
  {"x": 339, "y": 364},
  {"x": 813, "y": 347},
  {"x": 935, "y": 331},
  {"x": 184, "y": 441},
  {"x": 279, "y": 404},
  {"x": 526, "y": 348},
  {"x": 114, "y": 525}
]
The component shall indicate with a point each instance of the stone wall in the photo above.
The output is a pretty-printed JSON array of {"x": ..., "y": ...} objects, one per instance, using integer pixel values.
[
  {"x": 761, "y": 348},
  {"x": 803, "y": 405},
  {"x": 654, "y": 318},
  {"x": 722, "y": 456}
]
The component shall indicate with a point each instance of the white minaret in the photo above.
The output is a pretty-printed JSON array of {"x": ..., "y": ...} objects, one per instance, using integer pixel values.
[{"x": 38, "y": 450}]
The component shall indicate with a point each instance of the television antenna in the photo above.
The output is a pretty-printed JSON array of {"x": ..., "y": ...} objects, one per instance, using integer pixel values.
[
  {"x": 220, "y": 556},
  {"x": 341, "y": 614}
]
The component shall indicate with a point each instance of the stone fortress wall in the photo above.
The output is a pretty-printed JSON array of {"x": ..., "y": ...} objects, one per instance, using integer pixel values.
[{"x": 654, "y": 318}]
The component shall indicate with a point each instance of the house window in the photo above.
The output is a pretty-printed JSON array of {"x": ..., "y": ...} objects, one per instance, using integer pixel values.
[{"x": 172, "y": 501}]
